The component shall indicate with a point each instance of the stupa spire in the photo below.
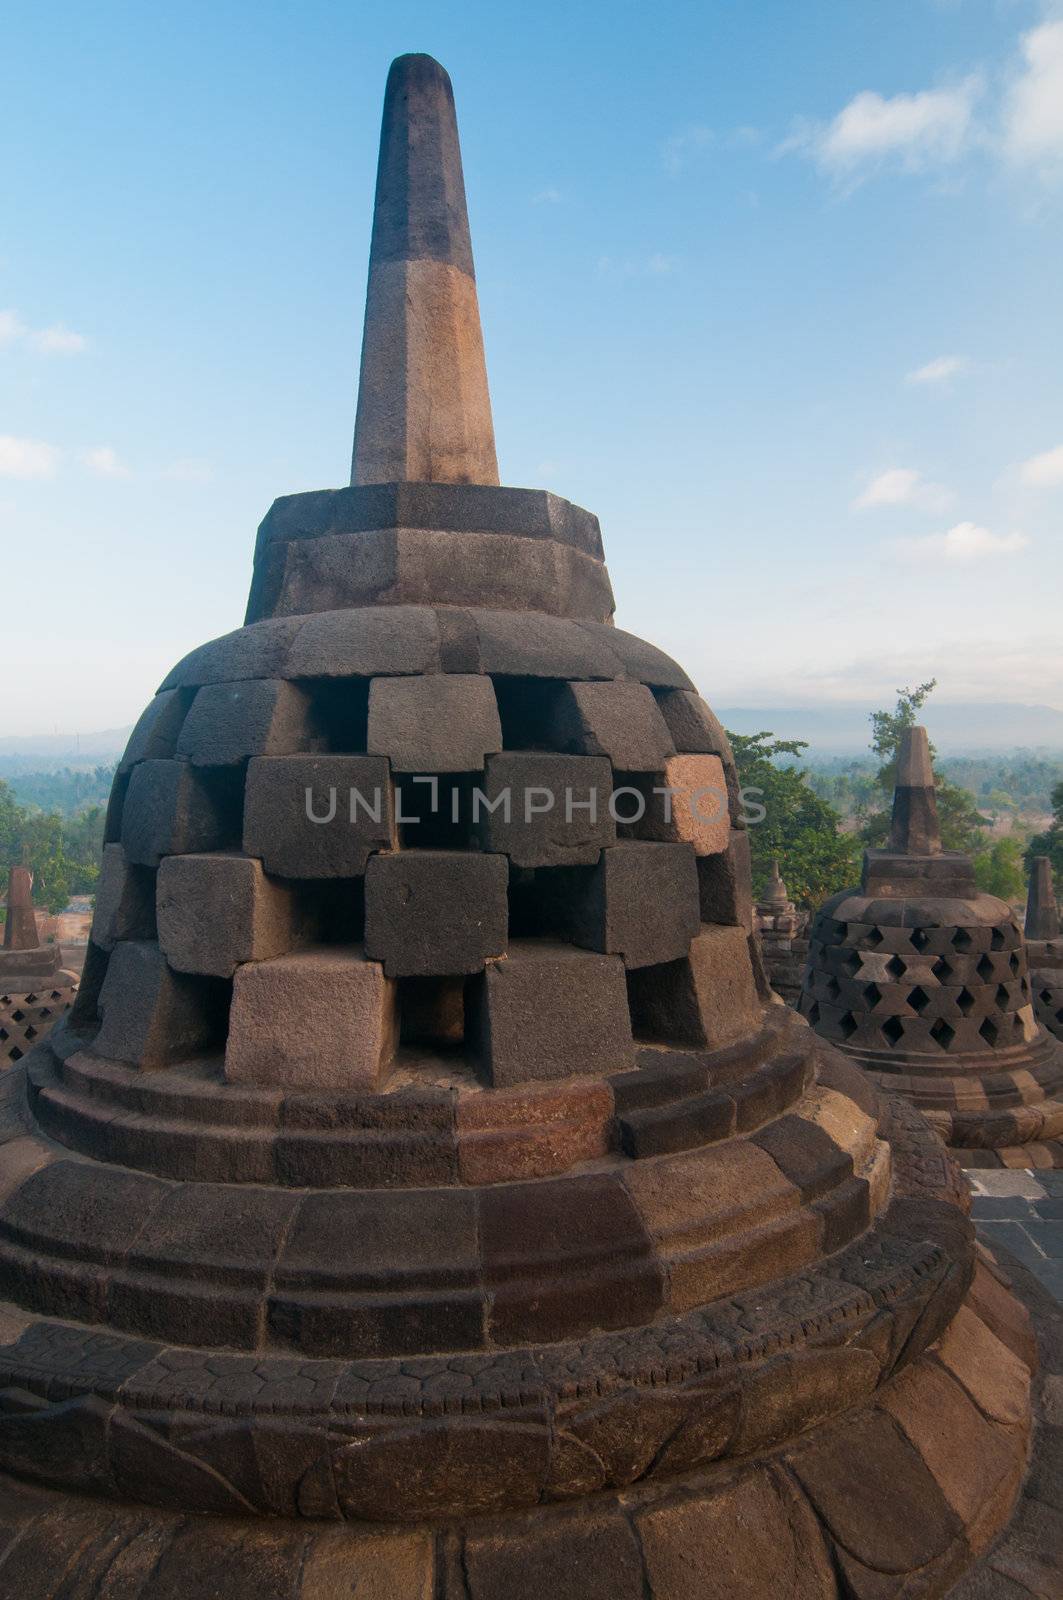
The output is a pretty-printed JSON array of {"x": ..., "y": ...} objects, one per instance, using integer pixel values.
[
  {"x": 914, "y": 829},
  {"x": 424, "y": 412},
  {"x": 1042, "y": 913},
  {"x": 20, "y": 928}
]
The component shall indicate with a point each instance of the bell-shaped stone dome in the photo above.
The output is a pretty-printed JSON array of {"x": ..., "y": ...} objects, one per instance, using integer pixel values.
[
  {"x": 425, "y": 1186},
  {"x": 924, "y": 980}
]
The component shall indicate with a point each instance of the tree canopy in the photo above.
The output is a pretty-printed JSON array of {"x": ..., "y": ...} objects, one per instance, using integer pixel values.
[{"x": 799, "y": 829}]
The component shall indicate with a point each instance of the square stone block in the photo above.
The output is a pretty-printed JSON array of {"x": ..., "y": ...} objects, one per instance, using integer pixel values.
[
  {"x": 317, "y": 816},
  {"x": 442, "y": 723},
  {"x": 435, "y": 913},
  {"x": 259, "y": 717},
  {"x": 725, "y": 883},
  {"x": 706, "y": 999},
  {"x": 557, "y": 812},
  {"x": 318, "y": 1019},
  {"x": 619, "y": 720},
  {"x": 155, "y": 735},
  {"x": 153, "y": 1016},
  {"x": 217, "y": 911},
  {"x": 640, "y": 902},
  {"x": 694, "y": 726},
  {"x": 686, "y": 800},
  {"x": 125, "y": 900},
  {"x": 171, "y": 809},
  {"x": 551, "y": 1011}
]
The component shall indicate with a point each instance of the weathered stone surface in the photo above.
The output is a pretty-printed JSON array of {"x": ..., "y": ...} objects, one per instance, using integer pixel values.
[
  {"x": 694, "y": 727},
  {"x": 171, "y": 809},
  {"x": 705, "y": 998},
  {"x": 125, "y": 900},
  {"x": 20, "y": 924},
  {"x": 218, "y": 911},
  {"x": 415, "y": 566},
  {"x": 595, "y": 1557},
  {"x": 757, "y": 1537},
  {"x": 155, "y": 735},
  {"x": 619, "y": 720},
  {"x": 725, "y": 883},
  {"x": 435, "y": 912},
  {"x": 318, "y": 816},
  {"x": 152, "y": 1015},
  {"x": 1042, "y": 912},
  {"x": 228, "y": 722},
  {"x": 686, "y": 800},
  {"x": 557, "y": 811},
  {"x": 445, "y": 723},
  {"x": 423, "y": 407},
  {"x": 640, "y": 902},
  {"x": 315, "y": 1019},
  {"x": 549, "y": 1011}
]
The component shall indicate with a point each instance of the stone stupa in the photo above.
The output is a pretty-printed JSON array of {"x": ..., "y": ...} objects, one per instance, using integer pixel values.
[
  {"x": 924, "y": 981},
  {"x": 783, "y": 934},
  {"x": 35, "y": 989},
  {"x": 1044, "y": 947},
  {"x": 422, "y": 1201}
]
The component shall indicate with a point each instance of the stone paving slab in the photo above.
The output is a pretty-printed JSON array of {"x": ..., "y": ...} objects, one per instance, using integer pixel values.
[{"x": 1022, "y": 1212}]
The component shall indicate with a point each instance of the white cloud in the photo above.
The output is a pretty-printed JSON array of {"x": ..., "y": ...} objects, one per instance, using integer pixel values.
[
  {"x": 903, "y": 486},
  {"x": 188, "y": 470},
  {"x": 10, "y": 327},
  {"x": 104, "y": 462},
  {"x": 655, "y": 266},
  {"x": 915, "y": 131},
  {"x": 547, "y": 197},
  {"x": 1033, "y": 108},
  {"x": 56, "y": 340},
  {"x": 940, "y": 370},
  {"x": 1044, "y": 471},
  {"x": 26, "y": 458},
  {"x": 677, "y": 150},
  {"x": 964, "y": 544}
]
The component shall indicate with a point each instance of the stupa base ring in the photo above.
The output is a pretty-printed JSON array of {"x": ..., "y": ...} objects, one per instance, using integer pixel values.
[{"x": 903, "y": 1497}]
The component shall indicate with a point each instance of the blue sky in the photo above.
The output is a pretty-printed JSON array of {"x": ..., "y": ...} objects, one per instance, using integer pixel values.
[{"x": 770, "y": 285}]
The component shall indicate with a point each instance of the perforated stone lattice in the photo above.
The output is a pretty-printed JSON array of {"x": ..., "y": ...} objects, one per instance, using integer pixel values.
[
  {"x": 26, "y": 1018},
  {"x": 214, "y": 866},
  {"x": 952, "y": 990}
]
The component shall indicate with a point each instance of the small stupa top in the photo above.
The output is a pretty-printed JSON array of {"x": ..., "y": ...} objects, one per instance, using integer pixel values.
[
  {"x": 1042, "y": 912},
  {"x": 23, "y": 955},
  {"x": 913, "y": 861},
  {"x": 20, "y": 929},
  {"x": 424, "y": 468},
  {"x": 775, "y": 896}
]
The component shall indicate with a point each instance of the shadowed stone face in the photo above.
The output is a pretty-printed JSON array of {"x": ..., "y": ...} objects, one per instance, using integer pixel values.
[{"x": 20, "y": 929}]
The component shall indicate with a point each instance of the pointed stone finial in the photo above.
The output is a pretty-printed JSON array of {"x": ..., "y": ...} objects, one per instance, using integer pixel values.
[
  {"x": 914, "y": 830},
  {"x": 424, "y": 413},
  {"x": 775, "y": 892},
  {"x": 1042, "y": 913},
  {"x": 20, "y": 929}
]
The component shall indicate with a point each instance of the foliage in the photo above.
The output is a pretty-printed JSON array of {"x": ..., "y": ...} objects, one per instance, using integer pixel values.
[
  {"x": 799, "y": 829},
  {"x": 62, "y": 853},
  {"x": 1050, "y": 843},
  {"x": 67, "y": 790},
  {"x": 998, "y": 868}
]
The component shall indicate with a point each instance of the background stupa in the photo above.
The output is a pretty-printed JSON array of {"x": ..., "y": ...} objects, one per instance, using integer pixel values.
[
  {"x": 1044, "y": 947},
  {"x": 34, "y": 989},
  {"x": 924, "y": 980},
  {"x": 424, "y": 1202}
]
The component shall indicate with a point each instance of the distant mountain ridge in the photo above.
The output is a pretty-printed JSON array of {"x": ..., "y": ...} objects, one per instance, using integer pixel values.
[
  {"x": 831, "y": 728},
  {"x": 959, "y": 728}
]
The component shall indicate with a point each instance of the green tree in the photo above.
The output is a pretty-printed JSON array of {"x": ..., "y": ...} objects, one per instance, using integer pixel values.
[
  {"x": 998, "y": 868},
  {"x": 63, "y": 854},
  {"x": 1050, "y": 843},
  {"x": 799, "y": 828}
]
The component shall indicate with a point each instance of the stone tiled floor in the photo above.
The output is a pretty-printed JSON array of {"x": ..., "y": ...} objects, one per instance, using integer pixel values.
[{"x": 1023, "y": 1212}]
